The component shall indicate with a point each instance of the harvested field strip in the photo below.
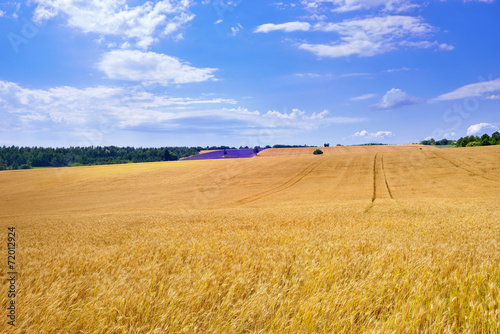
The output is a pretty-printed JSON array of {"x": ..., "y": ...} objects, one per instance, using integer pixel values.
[{"x": 342, "y": 149}]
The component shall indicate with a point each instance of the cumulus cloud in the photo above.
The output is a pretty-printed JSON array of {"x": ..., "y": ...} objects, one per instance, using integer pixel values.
[
  {"x": 478, "y": 128},
  {"x": 475, "y": 89},
  {"x": 396, "y": 98},
  {"x": 2, "y": 13},
  {"x": 143, "y": 23},
  {"x": 363, "y": 37},
  {"x": 375, "y": 135},
  {"x": 134, "y": 65}
]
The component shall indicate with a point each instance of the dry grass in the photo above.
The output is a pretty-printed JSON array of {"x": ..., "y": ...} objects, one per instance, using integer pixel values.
[
  {"x": 380, "y": 241},
  {"x": 275, "y": 152}
]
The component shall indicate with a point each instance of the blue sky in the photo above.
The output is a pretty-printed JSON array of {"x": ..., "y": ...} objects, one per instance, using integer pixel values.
[{"x": 241, "y": 72}]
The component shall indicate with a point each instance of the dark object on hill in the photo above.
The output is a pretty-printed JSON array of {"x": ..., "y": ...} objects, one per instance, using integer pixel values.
[{"x": 318, "y": 151}]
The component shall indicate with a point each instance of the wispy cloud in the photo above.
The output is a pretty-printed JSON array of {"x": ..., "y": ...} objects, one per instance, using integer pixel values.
[
  {"x": 235, "y": 30},
  {"x": 67, "y": 109},
  {"x": 286, "y": 27},
  {"x": 364, "y": 37},
  {"x": 301, "y": 120},
  {"x": 295, "y": 114},
  {"x": 70, "y": 106},
  {"x": 363, "y": 97},
  {"x": 151, "y": 67},
  {"x": 342, "y": 6},
  {"x": 475, "y": 89}
]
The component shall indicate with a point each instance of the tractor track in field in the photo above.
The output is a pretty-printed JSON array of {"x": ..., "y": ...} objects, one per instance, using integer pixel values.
[
  {"x": 463, "y": 168},
  {"x": 289, "y": 183},
  {"x": 388, "y": 188},
  {"x": 385, "y": 178},
  {"x": 374, "y": 195},
  {"x": 234, "y": 173}
]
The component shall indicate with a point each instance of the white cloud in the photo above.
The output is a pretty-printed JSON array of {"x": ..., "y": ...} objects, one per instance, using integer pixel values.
[
  {"x": 296, "y": 114},
  {"x": 308, "y": 75},
  {"x": 396, "y": 98},
  {"x": 475, "y": 89},
  {"x": 446, "y": 47},
  {"x": 391, "y": 70},
  {"x": 323, "y": 76},
  {"x": 298, "y": 119},
  {"x": 376, "y": 135},
  {"x": 286, "y": 27},
  {"x": 427, "y": 45},
  {"x": 134, "y": 65},
  {"x": 352, "y": 5},
  {"x": 363, "y": 37},
  {"x": 360, "y": 133},
  {"x": 243, "y": 111},
  {"x": 76, "y": 111},
  {"x": 477, "y": 128},
  {"x": 419, "y": 44},
  {"x": 350, "y": 75},
  {"x": 143, "y": 23},
  {"x": 493, "y": 97},
  {"x": 2, "y": 13},
  {"x": 73, "y": 106},
  {"x": 236, "y": 30},
  {"x": 363, "y": 97}
]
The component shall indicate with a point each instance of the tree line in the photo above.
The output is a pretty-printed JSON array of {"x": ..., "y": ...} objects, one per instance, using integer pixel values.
[
  {"x": 467, "y": 141},
  {"x": 14, "y": 157},
  {"x": 484, "y": 140}
]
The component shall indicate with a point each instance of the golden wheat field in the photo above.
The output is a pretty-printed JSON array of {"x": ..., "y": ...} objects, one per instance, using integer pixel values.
[{"x": 379, "y": 239}]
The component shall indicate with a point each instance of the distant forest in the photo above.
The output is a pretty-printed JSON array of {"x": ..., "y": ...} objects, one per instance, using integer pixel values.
[
  {"x": 467, "y": 141},
  {"x": 14, "y": 157}
]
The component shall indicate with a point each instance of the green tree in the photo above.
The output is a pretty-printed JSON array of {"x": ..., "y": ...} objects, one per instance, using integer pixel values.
[
  {"x": 318, "y": 151},
  {"x": 496, "y": 137}
]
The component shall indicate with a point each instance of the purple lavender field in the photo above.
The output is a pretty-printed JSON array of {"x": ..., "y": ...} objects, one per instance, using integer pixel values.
[{"x": 231, "y": 154}]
